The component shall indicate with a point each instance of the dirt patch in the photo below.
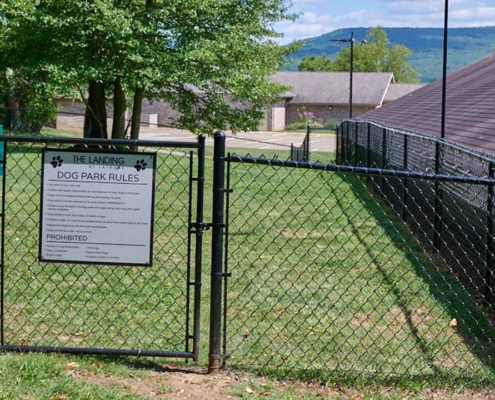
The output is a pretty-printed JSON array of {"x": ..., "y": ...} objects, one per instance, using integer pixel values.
[
  {"x": 176, "y": 383},
  {"x": 170, "y": 383}
]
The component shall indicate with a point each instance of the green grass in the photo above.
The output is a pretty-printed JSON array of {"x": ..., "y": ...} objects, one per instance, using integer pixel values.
[
  {"x": 49, "y": 377},
  {"x": 326, "y": 285},
  {"x": 52, "y": 132}
]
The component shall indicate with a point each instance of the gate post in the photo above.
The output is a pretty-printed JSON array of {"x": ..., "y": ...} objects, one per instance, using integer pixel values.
[{"x": 218, "y": 227}]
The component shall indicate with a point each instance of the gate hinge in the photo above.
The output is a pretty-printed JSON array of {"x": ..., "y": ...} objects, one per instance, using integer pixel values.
[{"x": 225, "y": 190}]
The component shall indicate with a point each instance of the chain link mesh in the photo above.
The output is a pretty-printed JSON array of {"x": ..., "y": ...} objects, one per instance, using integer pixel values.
[
  {"x": 329, "y": 280},
  {"x": 97, "y": 306}
]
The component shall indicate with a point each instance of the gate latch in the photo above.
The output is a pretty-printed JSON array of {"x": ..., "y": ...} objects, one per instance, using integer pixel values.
[{"x": 199, "y": 226}]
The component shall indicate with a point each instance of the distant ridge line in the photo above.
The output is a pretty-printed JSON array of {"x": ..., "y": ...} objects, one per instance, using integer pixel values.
[{"x": 466, "y": 45}]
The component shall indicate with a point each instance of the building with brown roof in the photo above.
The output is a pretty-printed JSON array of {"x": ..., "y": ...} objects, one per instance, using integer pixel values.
[
  {"x": 326, "y": 95},
  {"x": 469, "y": 111}
]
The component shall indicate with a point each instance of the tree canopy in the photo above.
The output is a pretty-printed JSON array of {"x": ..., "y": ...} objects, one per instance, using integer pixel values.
[
  {"x": 376, "y": 54},
  {"x": 210, "y": 59}
]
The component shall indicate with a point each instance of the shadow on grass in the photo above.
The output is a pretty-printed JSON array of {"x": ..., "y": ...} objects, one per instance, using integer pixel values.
[
  {"x": 355, "y": 379},
  {"x": 148, "y": 364},
  {"x": 474, "y": 327}
]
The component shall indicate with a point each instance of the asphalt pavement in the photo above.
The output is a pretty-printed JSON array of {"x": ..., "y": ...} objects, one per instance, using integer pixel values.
[{"x": 253, "y": 140}]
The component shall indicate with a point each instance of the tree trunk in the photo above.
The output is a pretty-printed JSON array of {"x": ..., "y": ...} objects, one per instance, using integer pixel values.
[
  {"x": 137, "y": 107},
  {"x": 119, "y": 108},
  {"x": 96, "y": 123},
  {"x": 137, "y": 104},
  {"x": 87, "y": 123}
]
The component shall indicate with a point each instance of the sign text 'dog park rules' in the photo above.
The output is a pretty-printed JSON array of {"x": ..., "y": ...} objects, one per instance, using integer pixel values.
[{"x": 97, "y": 207}]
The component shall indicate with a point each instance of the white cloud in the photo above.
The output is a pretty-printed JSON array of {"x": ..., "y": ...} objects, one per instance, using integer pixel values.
[
  {"x": 308, "y": 25},
  {"x": 480, "y": 16}
]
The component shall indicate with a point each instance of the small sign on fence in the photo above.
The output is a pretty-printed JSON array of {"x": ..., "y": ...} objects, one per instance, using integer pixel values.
[{"x": 97, "y": 207}]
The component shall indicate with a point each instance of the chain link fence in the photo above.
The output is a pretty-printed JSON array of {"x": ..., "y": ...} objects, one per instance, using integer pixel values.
[
  {"x": 450, "y": 218},
  {"x": 319, "y": 145},
  {"x": 322, "y": 145},
  {"x": 377, "y": 268},
  {"x": 329, "y": 282}
]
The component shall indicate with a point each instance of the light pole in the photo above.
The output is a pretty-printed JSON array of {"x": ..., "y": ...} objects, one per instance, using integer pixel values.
[
  {"x": 351, "y": 69},
  {"x": 437, "y": 217},
  {"x": 444, "y": 72}
]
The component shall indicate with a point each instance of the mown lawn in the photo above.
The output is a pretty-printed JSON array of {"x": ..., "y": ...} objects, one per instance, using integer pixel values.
[{"x": 326, "y": 283}]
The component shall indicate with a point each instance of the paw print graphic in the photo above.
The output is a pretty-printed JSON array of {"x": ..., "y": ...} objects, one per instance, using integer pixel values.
[
  {"x": 140, "y": 165},
  {"x": 56, "y": 162}
]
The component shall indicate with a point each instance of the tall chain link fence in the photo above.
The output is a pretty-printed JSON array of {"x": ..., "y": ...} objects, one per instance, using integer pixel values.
[
  {"x": 451, "y": 218},
  {"x": 378, "y": 267}
]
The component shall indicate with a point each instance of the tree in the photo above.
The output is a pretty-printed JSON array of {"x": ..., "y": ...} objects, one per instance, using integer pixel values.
[
  {"x": 20, "y": 85},
  {"x": 316, "y": 63},
  {"x": 159, "y": 49},
  {"x": 376, "y": 55}
]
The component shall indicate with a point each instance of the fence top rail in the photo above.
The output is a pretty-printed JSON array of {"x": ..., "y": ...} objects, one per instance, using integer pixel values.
[
  {"x": 363, "y": 170},
  {"x": 106, "y": 142},
  {"x": 433, "y": 139}
]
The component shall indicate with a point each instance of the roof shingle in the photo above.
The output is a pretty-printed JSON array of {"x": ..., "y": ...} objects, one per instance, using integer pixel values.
[
  {"x": 369, "y": 88},
  {"x": 470, "y": 108}
]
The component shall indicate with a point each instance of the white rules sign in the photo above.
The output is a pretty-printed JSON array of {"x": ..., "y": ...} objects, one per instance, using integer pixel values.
[{"x": 97, "y": 207}]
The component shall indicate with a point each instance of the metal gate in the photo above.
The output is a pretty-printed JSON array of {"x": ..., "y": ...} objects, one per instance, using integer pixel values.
[{"x": 104, "y": 308}]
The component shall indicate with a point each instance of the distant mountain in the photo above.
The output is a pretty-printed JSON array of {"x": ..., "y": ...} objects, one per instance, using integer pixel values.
[{"x": 465, "y": 45}]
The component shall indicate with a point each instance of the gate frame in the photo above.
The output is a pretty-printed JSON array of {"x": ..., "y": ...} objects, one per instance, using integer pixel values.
[{"x": 193, "y": 228}]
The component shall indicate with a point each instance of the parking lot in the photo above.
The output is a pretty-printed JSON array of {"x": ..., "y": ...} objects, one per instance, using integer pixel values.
[{"x": 255, "y": 140}]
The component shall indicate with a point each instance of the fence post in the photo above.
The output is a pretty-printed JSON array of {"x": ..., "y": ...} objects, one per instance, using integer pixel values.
[
  {"x": 368, "y": 144},
  {"x": 384, "y": 160},
  {"x": 356, "y": 148},
  {"x": 489, "y": 262},
  {"x": 306, "y": 144},
  {"x": 405, "y": 183},
  {"x": 348, "y": 148},
  {"x": 343, "y": 143},
  {"x": 198, "y": 257},
  {"x": 438, "y": 206},
  {"x": 368, "y": 151},
  {"x": 217, "y": 252}
]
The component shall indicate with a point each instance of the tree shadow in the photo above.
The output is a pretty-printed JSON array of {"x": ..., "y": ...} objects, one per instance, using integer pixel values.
[{"x": 474, "y": 324}]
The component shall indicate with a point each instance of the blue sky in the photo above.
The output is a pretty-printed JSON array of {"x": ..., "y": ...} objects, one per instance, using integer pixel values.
[{"x": 322, "y": 16}]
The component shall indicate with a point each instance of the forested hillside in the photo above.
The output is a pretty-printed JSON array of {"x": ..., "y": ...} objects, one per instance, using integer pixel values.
[{"x": 466, "y": 45}]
